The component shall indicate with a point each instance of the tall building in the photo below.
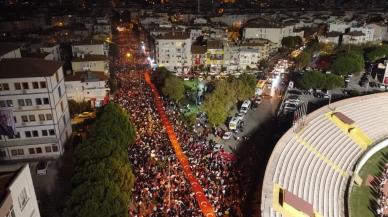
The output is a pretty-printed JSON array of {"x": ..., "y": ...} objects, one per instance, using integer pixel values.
[
  {"x": 34, "y": 115},
  {"x": 17, "y": 192}
]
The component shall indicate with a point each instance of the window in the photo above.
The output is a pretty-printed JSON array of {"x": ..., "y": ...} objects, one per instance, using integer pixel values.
[
  {"x": 52, "y": 132},
  {"x": 28, "y": 134},
  {"x": 31, "y": 117},
  {"x": 31, "y": 150},
  {"x": 28, "y": 102},
  {"x": 59, "y": 92},
  {"x": 43, "y": 84},
  {"x": 41, "y": 117},
  {"x": 2, "y": 103},
  {"x": 56, "y": 76},
  {"x": 48, "y": 149},
  {"x": 39, "y": 150},
  {"x": 55, "y": 148},
  {"x": 49, "y": 117},
  {"x": 9, "y": 103},
  {"x": 38, "y": 101},
  {"x": 25, "y": 86},
  {"x": 17, "y": 86},
  {"x": 64, "y": 120},
  {"x": 35, "y": 85},
  {"x": 3, "y": 153},
  {"x": 20, "y": 151},
  {"x": 44, "y": 133},
  {"x": 5, "y": 86},
  {"x": 35, "y": 133},
  {"x": 23, "y": 198},
  {"x": 46, "y": 101},
  {"x": 14, "y": 152},
  {"x": 17, "y": 136},
  {"x": 21, "y": 102},
  {"x": 24, "y": 118},
  {"x": 14, "y": 119}
]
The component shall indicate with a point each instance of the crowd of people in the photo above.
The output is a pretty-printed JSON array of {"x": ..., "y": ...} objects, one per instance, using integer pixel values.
[
  {"x": 382, "y": 199},
  {"x": 160, "y": 188},
  {"x": 218, "y": 175}
]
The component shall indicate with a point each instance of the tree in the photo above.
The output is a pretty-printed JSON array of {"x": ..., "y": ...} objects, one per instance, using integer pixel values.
[
  {"x": 318, "y": 80},
  {"x": 303, "y": 59},
  {"x": 78, "y": 107},
  {"x": 348, "y": 62},
  {"x": 244, "y": 86},
  {"x": 103, "y": 178},
  {"x": 174, "y": 88},
  {"x": 160, "y": 76},
  {"x": 378, "y": 53},
  {"x": 291, "y": 41}
]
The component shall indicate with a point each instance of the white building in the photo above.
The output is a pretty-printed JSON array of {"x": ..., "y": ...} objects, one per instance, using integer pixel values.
[
  {"x": 354, "y": 37},
  {"x": 173, "y": 51},
  {"x": 338, "y": 26},
  {"x": 9, "y": 50},
  {"x": 379, "y": 31},
  {"x": 33, "y": 96},
  {"x": 275, "y": 32},
  {"x": 330, "y": 37},
  {"x": 53, "y": 49},
  {"x": 17, "y": 190},
  {"x": 87, "y": 86},
  {"x": 90, "y": 47},
  {"x": 98, "y": 63},
  {"x": 249, "y": 58}
]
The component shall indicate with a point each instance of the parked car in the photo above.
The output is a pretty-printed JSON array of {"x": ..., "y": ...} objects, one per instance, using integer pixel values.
[
  {"x": 41, "y": 168},
  {"x": 227, "y": 135},
  {"x": 218, "y": 147},
  {"x": 240, "y": 116}
]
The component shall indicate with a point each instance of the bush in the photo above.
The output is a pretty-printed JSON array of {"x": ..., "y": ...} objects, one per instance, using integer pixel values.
[{"x": 318, "y": 80}]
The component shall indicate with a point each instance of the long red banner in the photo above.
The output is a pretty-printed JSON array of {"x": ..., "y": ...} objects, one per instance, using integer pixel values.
[{"x": 204, "y": 204}]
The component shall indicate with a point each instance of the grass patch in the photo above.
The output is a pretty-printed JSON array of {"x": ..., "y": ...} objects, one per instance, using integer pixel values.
[{"x": 362, "y": 198}]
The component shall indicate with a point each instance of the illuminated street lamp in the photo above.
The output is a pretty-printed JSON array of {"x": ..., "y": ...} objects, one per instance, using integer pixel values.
[{"x": 128, "y": 55}]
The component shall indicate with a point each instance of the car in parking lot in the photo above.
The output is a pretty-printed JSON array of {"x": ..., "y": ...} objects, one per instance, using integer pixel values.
[
  {"x": 218, "y": 147},
  {"x": 240, "y": 116},
  {"x": 293, "y": 99},
  {"x": 41, "y": 168},
  {"x": 290, "y": 107}
]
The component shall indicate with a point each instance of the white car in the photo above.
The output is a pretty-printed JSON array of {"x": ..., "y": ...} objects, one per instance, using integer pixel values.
[
  {"x": 240, "y": 116},
  {"x": 227, "y": 135}
]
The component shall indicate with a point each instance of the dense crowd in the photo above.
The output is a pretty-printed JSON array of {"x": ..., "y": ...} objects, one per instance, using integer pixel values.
[
  {"x": 160, "y": 187},
  {"x": 218, "y": 176},
  {"x": 382, "y": 200}
]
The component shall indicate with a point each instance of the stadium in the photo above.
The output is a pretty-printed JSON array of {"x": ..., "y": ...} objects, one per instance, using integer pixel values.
[{"x": 312, "y": 169}]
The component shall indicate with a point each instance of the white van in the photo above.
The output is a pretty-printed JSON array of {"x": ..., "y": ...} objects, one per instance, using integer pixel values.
[
  {"x": 245, "y": 106},
  {"x": 233, "y": 123}
]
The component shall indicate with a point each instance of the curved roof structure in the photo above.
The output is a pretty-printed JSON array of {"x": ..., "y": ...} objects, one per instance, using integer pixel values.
[{"x": 309, "y": 170}]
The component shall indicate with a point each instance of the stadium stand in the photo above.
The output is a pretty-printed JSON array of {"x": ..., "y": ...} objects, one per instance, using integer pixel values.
[{"x": 309, "y": 171}]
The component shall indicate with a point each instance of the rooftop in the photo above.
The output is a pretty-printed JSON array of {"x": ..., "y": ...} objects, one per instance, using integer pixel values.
[
  {"x": 8, "y": 47},
  {"x": 174, "y": 36},
  {"x": 214, "y": 44},
  {"x": 41, "y": 55},
  {"x": 90, "y": 57},
  {"x": 198, "y": 49},
  {"x": 28, "y": 67},
  {"x": 89, "y": 42},
  {"x": 87, "y": 76},
  {"x": 261, "y": 23}
]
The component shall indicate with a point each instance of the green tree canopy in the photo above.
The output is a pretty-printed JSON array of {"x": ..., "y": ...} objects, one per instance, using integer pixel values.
[
  {"x": 378, "y": 53},
  {"x": 174, "y": 88},
  {"x": 318, "y": 80},
  {"x": 348, "y": 62},
  {"x": 291, "y": 41},
  {"x": 103, "y": 178}
]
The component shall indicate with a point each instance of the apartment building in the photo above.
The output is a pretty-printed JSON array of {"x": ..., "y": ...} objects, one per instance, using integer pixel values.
[
  {"x": 93, "y": 47},
  {"x": 173, "y": 51},
  {"x": 98, "y": 63},
  {"x": 18, "y": 197},
  {"x": 88, "y": 86},
  {"x": 198, "y": 54},
  {"x": 34, "y": 104},
  {"x": 248, "y": 58},
  {"x": 215, "y": 55},
  {"x": 275, "y": 32}
]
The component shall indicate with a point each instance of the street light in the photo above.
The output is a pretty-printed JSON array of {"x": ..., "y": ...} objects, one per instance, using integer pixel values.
[{"x": 128, "y": 55}]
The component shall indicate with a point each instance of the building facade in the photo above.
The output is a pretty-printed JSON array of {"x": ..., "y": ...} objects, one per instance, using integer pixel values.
[
  {"x": 18, "y": 194},
  {"x": 33, "y": 95},
  {"x": 90, "y": 47}
]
